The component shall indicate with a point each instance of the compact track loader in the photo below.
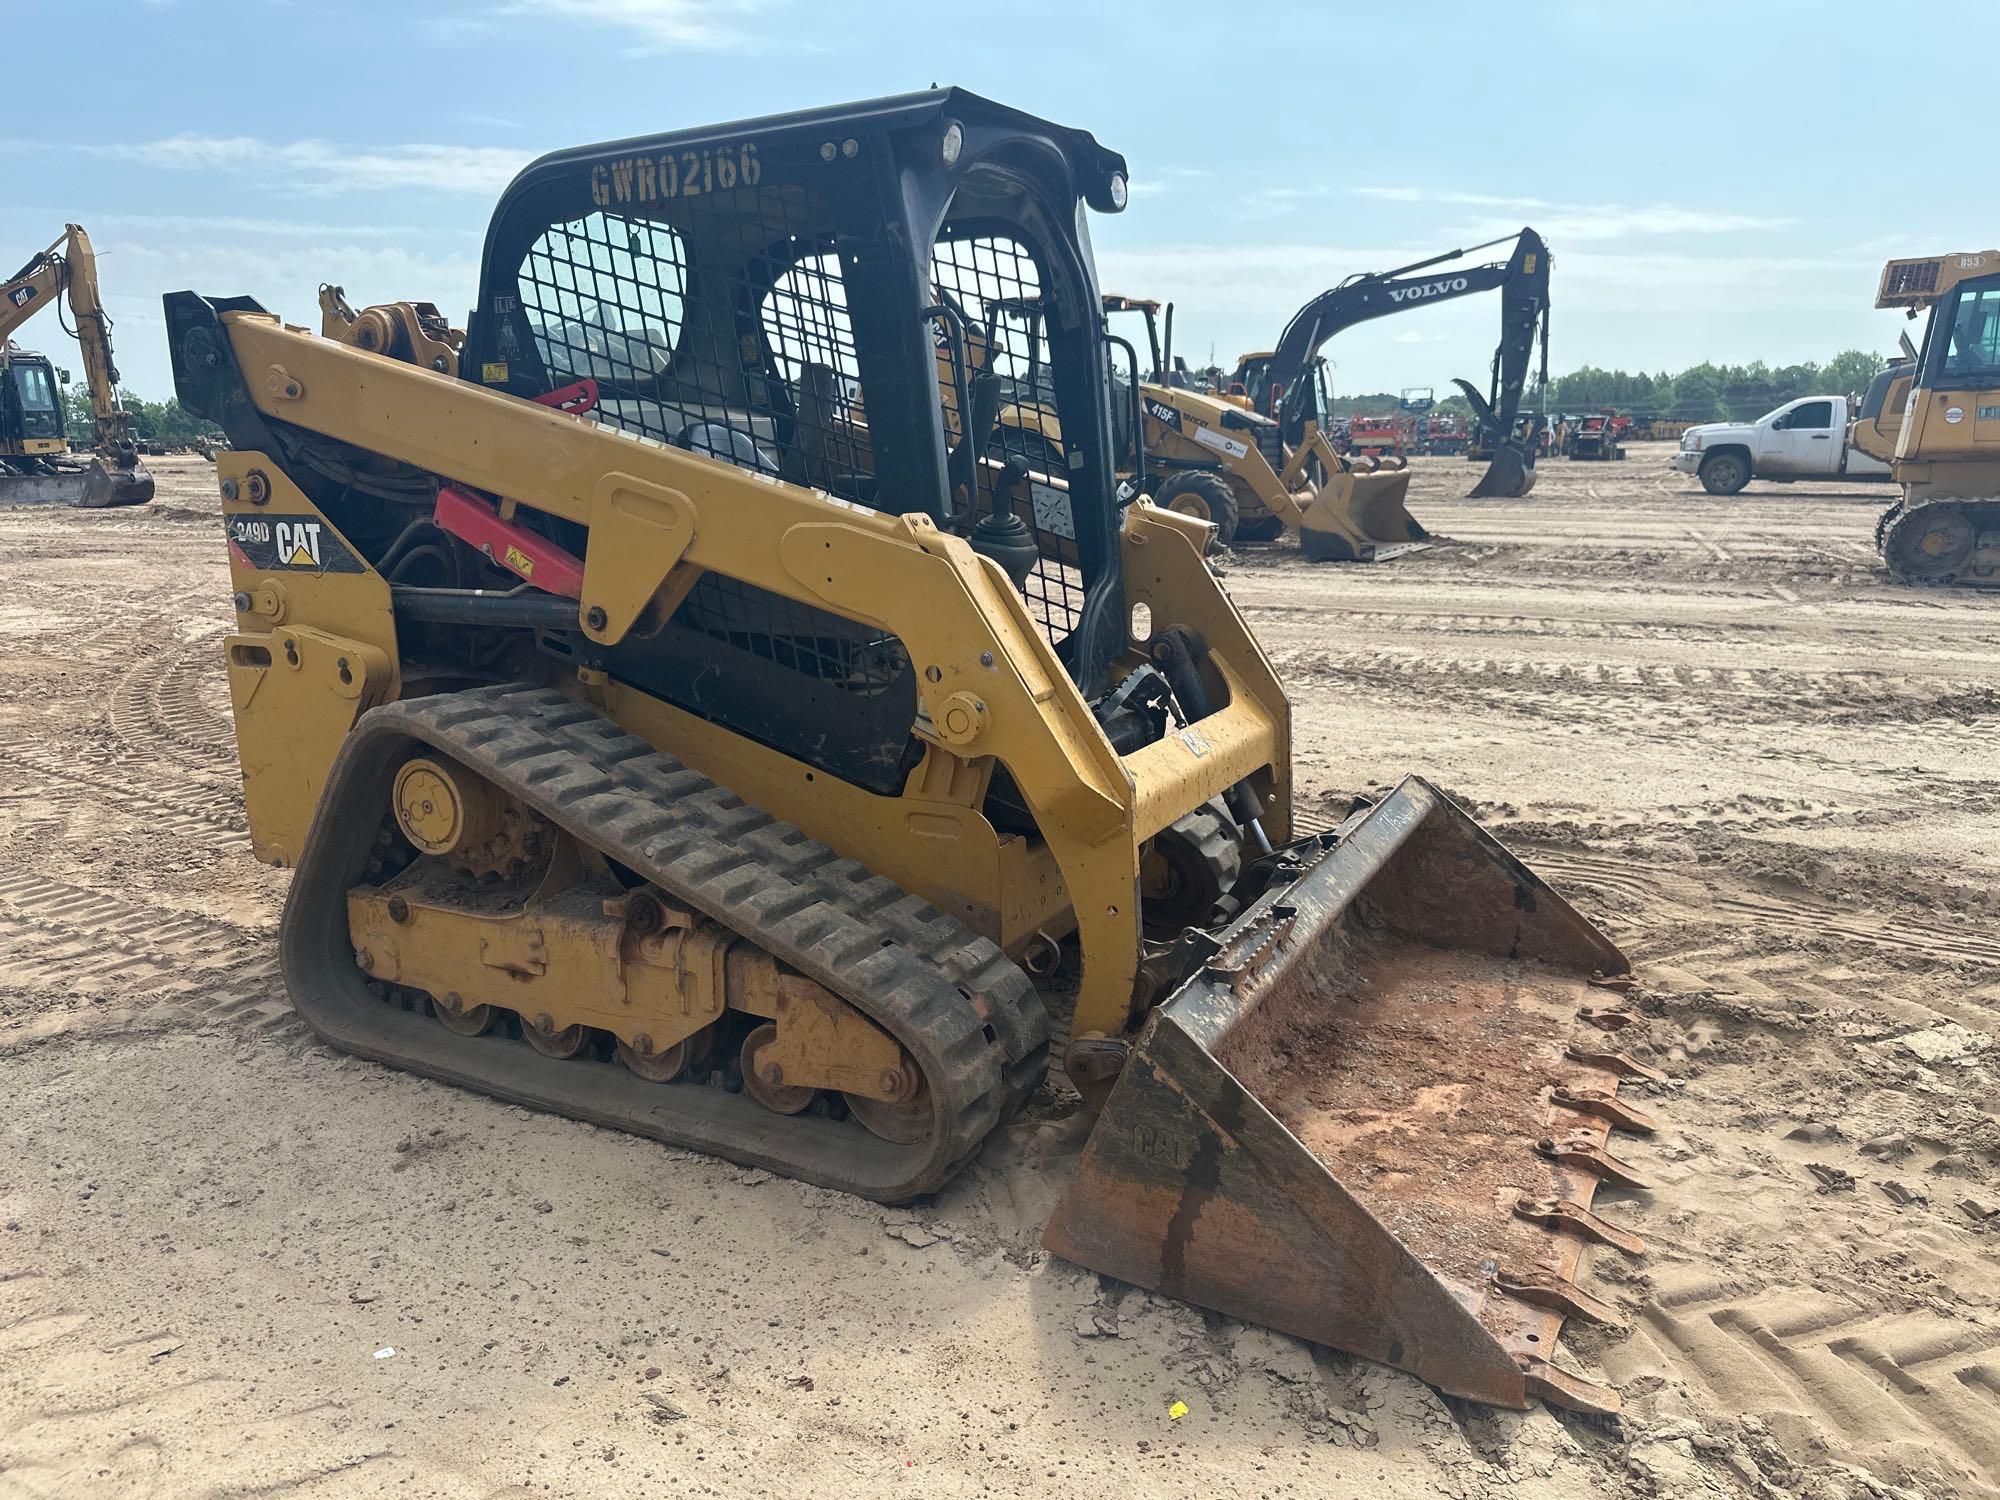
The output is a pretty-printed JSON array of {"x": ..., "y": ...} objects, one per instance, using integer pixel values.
[
  {"x": 1946, "y": 456},
  {"x": 1206, "y": 457},
  {"x": 675, "y": 719}
]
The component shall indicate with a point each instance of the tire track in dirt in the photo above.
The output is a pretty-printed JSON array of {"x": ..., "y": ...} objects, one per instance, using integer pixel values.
[
  {"x": 1672, "y": 922},
  {"x": 174, "y": 703},
  {"x": 205, "y": 813},
  {"x": 148, "y": 958},
  {"x": 1911, "y": 1384}
]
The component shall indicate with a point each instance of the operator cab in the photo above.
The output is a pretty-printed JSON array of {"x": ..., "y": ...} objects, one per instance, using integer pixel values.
[{"x": 31, "y": 409}]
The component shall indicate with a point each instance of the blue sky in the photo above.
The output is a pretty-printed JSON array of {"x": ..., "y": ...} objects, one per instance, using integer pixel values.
[{"x": 1715, "y": 180}]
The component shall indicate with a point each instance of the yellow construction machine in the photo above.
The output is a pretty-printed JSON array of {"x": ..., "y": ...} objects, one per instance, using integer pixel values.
[
  {"x": 1208, "y": 457},
  {"x": 1946, "y": 526},
  {"x": 35, "y": 461},
  {"x": 1288, "y": 382},
  {"x": 656, "y": 742}
]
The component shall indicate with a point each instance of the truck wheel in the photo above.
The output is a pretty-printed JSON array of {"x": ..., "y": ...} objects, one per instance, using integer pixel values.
[
  {"x": 1203, "y": 494},
  {"x": 1724, "y": 473}
]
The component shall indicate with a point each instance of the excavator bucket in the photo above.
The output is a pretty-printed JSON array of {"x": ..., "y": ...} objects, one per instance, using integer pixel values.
[
  {"x": 1370, "y": 1119},
  {"x": 1359, "y": 516},
  {"x": 1510, "y": 476},
  {"x": 90, "y": 485},
  {"x": 115, "y": 484}
]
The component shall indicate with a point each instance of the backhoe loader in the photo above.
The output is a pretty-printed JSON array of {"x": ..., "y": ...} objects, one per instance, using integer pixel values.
[
  {"x": 655, "y": 741},
  {"x": 1210, "y": 458},
  {"x": 35, "y": 461},
  {"x": 1286, "y": 382},
  {"x": 1946, "y": 527}
]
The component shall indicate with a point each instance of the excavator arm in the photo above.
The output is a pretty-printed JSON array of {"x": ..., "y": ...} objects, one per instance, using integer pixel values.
[
  {"x": 1523, "y": 283},
  {"x": 68, "y": 269}
]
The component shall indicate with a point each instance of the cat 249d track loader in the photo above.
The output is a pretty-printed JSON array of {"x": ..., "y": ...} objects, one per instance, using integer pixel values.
[{"x": 661, "y": 737}]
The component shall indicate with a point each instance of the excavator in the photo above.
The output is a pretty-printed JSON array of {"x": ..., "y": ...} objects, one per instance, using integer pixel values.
[
  {"x": 35, "y": 462},
  {"x": 656, "y": 741},
  {"x": 1288, "y": 382},
  {"x": 1207, "y": 457},
  {"x": 1946, "y": 527}
]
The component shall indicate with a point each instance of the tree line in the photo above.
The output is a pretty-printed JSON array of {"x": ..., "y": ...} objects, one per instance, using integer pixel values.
[
  {"x": 1706, "y": 392},
  {"x": 152, "y": 421}
]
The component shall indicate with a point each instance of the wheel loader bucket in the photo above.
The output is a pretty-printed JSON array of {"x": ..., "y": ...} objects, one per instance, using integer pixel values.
[
  {"x": 1359, "y": 516},
  {"x": 1510, "y": 476},
  {"x": 1369, "y": 1120}
]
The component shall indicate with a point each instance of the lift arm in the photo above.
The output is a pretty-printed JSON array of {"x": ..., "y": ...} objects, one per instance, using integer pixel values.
[{"x": 68, "y": 268}]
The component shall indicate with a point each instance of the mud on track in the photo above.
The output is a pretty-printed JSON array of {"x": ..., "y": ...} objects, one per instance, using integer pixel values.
[{"x": 1765, "y": 769}]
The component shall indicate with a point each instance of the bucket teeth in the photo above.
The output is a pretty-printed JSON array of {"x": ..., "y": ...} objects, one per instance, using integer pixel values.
[
  {"x": 1615, "y": 1062},
  {"x": 1606, "y": 1105},
  {"x": 1586, "y": 1154},
  {"x": 1560, "y": 1388},
  {"x": 1562, "y": 1213},
  {"x": 1540, "y": 1289}
]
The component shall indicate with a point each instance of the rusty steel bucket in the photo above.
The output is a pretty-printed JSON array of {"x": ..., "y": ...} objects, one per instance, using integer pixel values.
[{"x": 1370, "y": 1119}]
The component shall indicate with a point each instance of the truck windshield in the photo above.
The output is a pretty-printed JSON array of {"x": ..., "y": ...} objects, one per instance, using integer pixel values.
[{"x": 33, "y": 388}]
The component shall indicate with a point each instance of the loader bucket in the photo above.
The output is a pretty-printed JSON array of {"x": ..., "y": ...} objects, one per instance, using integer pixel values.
[
  {"x": 1510, "y": 476},
  {"x": 64, "y": 487},
  {"x": 1368, "y": 1120},
  {"x": 1359, "y": 516}
]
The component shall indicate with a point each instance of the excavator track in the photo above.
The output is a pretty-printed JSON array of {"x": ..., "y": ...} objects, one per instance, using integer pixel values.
[
  {"x": 966, "y": 1014},
  {"x": 1943, "y": 542}
]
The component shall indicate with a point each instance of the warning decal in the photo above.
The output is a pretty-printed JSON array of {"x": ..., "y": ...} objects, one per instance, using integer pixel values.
[{"x": 290, "y": 544}]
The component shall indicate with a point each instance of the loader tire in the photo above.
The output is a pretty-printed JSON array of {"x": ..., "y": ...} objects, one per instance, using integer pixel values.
[
  {"x": 1724, "y": 473},
  {"x": 1204, "y": 495}
]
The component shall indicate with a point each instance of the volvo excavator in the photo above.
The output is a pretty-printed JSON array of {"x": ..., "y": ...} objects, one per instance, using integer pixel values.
[
  {"x": 1208, "y": 457},
  {"x": 35, "y": 461},
  {"x": 1288, "y": 383},
  {"x": 1946, "y": 527},
  {"x": 661, "y": 737}
]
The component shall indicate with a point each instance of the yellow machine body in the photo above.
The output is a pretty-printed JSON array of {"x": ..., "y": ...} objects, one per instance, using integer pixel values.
[
  {"x": 779, "y": 789},
  {"x": 1946, "y": 454}
]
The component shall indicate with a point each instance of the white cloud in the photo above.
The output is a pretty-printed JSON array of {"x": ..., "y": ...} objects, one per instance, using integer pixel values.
[
  {"x": 322, "y": 167},
  {"x": 1413, "y": 337},
  {"x": 656, "y": 25}
]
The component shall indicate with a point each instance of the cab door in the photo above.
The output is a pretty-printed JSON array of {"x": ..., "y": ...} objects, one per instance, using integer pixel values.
[{"x": 1801, "y": 441}]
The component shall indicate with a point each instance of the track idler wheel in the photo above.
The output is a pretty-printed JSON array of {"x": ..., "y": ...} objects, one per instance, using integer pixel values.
[
  {"x": 904, "y": 1124},
  {"x": 666, "y": 1064},
  {"x": 466, "y": 1020},
  {"x": 542, "y": 1033},
  {"x": 764, "y": 1080}
]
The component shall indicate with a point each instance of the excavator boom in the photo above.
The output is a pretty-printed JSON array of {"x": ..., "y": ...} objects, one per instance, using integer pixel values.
[
  {"x": 1523, "y": 283},
  {"x": 35, "y": 468}
]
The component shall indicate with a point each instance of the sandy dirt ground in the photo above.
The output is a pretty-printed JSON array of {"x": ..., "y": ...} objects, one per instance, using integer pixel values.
[{"x": 235, "y": 1263}]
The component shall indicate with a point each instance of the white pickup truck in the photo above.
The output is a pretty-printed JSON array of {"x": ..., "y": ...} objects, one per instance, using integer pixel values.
[{"x": 1803, "y": 439}]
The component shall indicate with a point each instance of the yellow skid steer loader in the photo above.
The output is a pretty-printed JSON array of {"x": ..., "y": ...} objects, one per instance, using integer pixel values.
[{"x": 658, "y": 742}]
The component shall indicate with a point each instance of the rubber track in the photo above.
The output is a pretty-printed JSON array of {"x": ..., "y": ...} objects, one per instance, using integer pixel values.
[
  {"x": 968, "y": 1015},
  {"x": 1984, "y": 515}
]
